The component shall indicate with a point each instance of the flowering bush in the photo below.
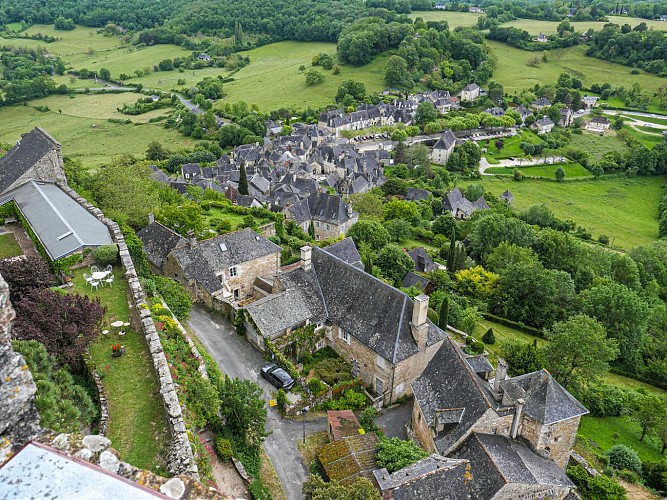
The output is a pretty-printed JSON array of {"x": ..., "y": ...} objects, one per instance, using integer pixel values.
[{"x": 116, "y": 347}]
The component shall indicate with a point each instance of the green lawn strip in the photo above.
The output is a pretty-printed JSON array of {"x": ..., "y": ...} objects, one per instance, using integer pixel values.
[
  {"x": 537, "y": 26},
  {"x": 649, "y": 139},
  {"x": 623, "y": 209},
  {"x": 601, "y": 433},
  {"x": 454, "y": 19},
  {"x": 235, "y": 219},
  {"x": 572, "y": 169},
  {"x": 9, "y": 247},
  {"x": 137, "y": 426},
  {"x": 413, "y": 243}
]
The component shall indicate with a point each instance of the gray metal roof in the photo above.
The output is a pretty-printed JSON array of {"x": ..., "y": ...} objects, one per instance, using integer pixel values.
[
  {"x": 38, "y": 471},
  {"x": 60, "y": 223}
]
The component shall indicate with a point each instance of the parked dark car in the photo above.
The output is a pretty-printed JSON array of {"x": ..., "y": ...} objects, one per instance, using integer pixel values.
[{"x": 277, "y": 376}]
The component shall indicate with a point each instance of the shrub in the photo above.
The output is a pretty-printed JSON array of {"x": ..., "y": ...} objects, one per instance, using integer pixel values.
[
  {"x": 605, "y": 400},
  {"x": 598, "y": 488},
  {"x": 395, "y": 454},
  {"x": 367, "y": 420},
  {"x": 224, "y": 448},
  {"x": 351, "y": 400},
  {"x": 475, "y": 348},
  {"x": 106, "y": 254},
  {"x": 258, "y": 491},
  {"x": 282, "y": 398},
  {"x": 333, "y": 371},
  {"x": 489, "y": 337},
  {"x": 316, "y": 386},
  {"x": 159, "y": 310},
  {"x": 622, "y": 457},
  {"x": 603, "y": 239},
  {"x": 175, "y": 296},
  {"x": 655, "y": 474}
]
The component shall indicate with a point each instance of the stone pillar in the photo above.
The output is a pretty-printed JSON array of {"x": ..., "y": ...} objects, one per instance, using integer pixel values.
[
  {"x": 420, "y": 320},
  {"x": 306, "y": 256},
  {"x": 501, "y": 374},
  {"x": 518, "y": 413}
]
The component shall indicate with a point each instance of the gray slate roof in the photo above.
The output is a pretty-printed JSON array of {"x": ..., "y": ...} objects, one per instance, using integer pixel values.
[
  {"x": 498, "y": 460},
  {"x": 61, "y": 224},
  {"x": 347, "y": 251},
  {"x": 274, "y": 313},
  {"x": 448, "y": 382},
  {"x": 327, "y": 208},
  {"x": 412, "y": 279},
  {"x": 373, "y": 312},
  {"x": 446, "y": 141},
  {"x": 546, "y": 400},
  {"x": 32, "y": 147},
  {"x": 479, "y": 364},
  {"x": 158, "y": 241},
  {"x": 423, "y": 262}
]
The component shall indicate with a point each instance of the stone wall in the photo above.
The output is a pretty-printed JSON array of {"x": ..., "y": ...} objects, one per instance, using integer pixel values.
[
  {"x": 554, "y": 441},
  {"x": 410, "y": 368},
  {"x": 102, "y": 398},
  {"x": 181, "y": 457},
  {"x": 420, "y": 429}
]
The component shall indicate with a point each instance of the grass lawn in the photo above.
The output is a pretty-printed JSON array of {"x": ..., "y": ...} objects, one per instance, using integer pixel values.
[
  {"x": 648, "y": 136},
  {"x": 572, "y": 169},
  {"x": 596, "y": 145},
  {"x": 603, "y": 433},
  {"x": 513, "y": 72},
  {"x": 453, "y": 18},
  {"x": 137, "y": 426},
  {"x": 510, "y": 145},
  {"x": 9, "y": 247},
  {"x": 623, "y": 209},
  {"x": 235, "y": 219},
  {"x": 535, "y": 27},
  {"x": 83, "y": 130}
]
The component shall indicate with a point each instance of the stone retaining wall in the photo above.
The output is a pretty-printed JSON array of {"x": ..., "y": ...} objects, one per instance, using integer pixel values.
[
  {"x": 91, "y": 367},
  {"x": 181, "y": 457}
]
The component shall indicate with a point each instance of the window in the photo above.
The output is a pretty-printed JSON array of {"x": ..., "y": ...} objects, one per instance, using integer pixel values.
[
  {"x": 379, "y": 386},
  {"x": 233, "y": 271},
  {"x": 328, "y": 227},
  {"x": 237, "y": 294},
  {"x": 344, "y": 335},
  {"x": 319, "y": 345},
  {"x": 317, "y": 224},
  {"x": 379, "y": 360}
]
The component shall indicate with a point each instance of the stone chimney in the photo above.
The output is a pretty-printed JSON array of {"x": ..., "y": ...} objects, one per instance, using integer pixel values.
[
  {"x": 419, "y": 320},
  {"x": 518, "y": 413},
  {"x": 306, "y": 254},
  {"x": 501, "y": 374},
  {"x": 151, "y": 218},
  {"x": 192, "y": 240}
]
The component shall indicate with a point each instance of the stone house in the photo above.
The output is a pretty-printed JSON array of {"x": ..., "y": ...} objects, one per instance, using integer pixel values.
[
  {"x": 224, "y": 267},
  {"x": 541, "y": 103},
  {"x": 330, "y": 216},
  {"x": 158, "y": 241},
  {"x": 566, "y": 117},
  {"x": 543, "y": 126},
  {"x": 598, "y": 124},
  {"x": 380, "y": 331},
  {"x": 459, "y": 206},
  {"x": 470, "y": 92},
  {"x": 443, "y": 148},
  {"x": 590, "y": 101}
]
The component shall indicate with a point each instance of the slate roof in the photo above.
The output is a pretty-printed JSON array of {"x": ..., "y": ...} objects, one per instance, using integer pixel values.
[
  {"x": 507, "y": 195},
  {"x": 448, "y": 382},
  {"x": 412, "y": 279},
  {"x": 479, "y": 364},
  {"x": 375, "y": 313},
  {"x": 601, "y": 120},
  {"x": 446, "y": 141},
  {"x": 202, "y": 261},
  {"x": 545, "y": 121},
  {"x": 306, "y": 281},
  {"x": 423, "y": 263},
  {"x": 347, "y": 251},
  {"x": 327, "y": 208},
  {"x": 300, "y": 211},
  {"x": 545, "y": 399},
  {"x": 470, "y": 87},
  {"x": 158, "y": 241},
  {"x": 542, "y": 101},
  {"x": 31, "y": 148},
  {"x": 158, "y": 175},
  {"x": 432, "y": 478},
  {"x": 498, "y": 460},
  {"x": 415, "y": 194},
  {"x": 349, "y": 458},
  {"x": 59, "y": 222},
  {"x": 277, "y": 312}
]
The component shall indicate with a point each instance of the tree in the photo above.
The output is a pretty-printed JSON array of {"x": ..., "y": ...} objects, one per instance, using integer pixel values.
[
  {"x": 579, "y": 351},
  {"x": 394, "y": 186},
  {"x": 599, "y": 487},
  {"x": 243, "y": 181},
  {"x": 560, "y": 174},
  {"x": 476, "y": 281},
  {"x": 489, "y": 231},
  {"x": 443, "y": 317},
  {"x": 311, "y": 230},
  {"x": 316, "y": 488},
  {"x": 394, "y": 263},
  {"x": 105, "y": 74},
  {"x": 157, "y": 152},
  {"x": 394, "y": 454},
  {"x": 489, "y": 337},
  {"x": 397, "y": 74},
  {"x": 399, "y": 230},
  {"x": 65, "y": 324},
  {"x": 353, "y": 88},
  {"x": 313, "y": 77},
  {"x": 400, "y": 153},
  {"x": 649, "y": 411},
  {"x": 622, "y": 457},
  {"x": 522, "y": 357},
  {"x": 369, "y": 203},
  {"x": 242, "y": 406},
  {"x": 369, "y": 232},
  {"x": 25, "y": 275},
  {"x": 444, "y": 224},
  {"x": 426, "y": 113},
  {"x": 401, "y": 209},
  {"x": 184, "y": 218}
]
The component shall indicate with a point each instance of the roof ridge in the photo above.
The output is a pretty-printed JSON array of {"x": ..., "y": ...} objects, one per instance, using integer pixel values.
[
  {"x": 472, "y": 375},
  {"x": 488, "y": 454},
  {"x": 167, "y": 228},
  {"x": 55, "y": 210},
  {"x": 398, "y": 330}
]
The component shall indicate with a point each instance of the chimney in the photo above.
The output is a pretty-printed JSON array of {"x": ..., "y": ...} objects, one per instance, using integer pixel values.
[
  {"x": 419, "y": 320},
  {"x": 518, "y": 413},
  {"x": 501, "y": 374},
  {"x": 151, "y": 218},
  {"x": 192, "y": 240},
  {"x": 306, "y": 253}
]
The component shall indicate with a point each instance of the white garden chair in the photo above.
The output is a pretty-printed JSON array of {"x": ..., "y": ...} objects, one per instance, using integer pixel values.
[
  {"x": 95, "y": 285},
  {"x": 109, "y": 280},
  {"x": 108, "y": 268},
  {"x": 94, "y": 269},
  {"x": 87, "y": 277}
]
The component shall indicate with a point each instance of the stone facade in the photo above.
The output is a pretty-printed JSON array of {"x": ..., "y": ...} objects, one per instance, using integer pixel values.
[
  {"x": 517, "y": 491},
  {"x": 324, "y": 230},
  {"x": 49, "y": 168},
  {"x": 554, "y": 441},
  {"x": 409, "y": 369}
]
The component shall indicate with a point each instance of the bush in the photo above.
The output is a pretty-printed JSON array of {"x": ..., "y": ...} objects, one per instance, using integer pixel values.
[
  {"x": 489, "y": 337},
  {"x": 175, "y": 296},
  {"x": 106, "y": 254},
  {"x": 395, "y": 454},
  {"x": 605, "y": 400},
  {"x": 475, "y": 348},
  {"x": 224, "y": 448},
  {"x": 367, "y": 420},
  {"x": 597, "y": 488},
  {"x": 622, "y": 457},
  {"x": 655, "y": 474},
  {"x": 333, "y": 371},
  {"x": 258, "y": 491},
  {"x": 316, "y": 386},
  {"x": 282, "y": 398},
  {"x": 603, "y": 239},
  {"x": 351, "y": 400}
]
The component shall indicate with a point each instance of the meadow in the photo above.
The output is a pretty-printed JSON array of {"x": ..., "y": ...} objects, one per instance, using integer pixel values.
[
  {"x": 454, "y": 19},
  {"x": 510, "y": 146},
  {"x": 623, "y": 209},
  {"x": 80, "y": 124},
  {"x": 512, "y": 69},
  {"x": 548, "y": 171},
  {"x": 596, "y": 145},
  {"x": 535, "y": 26}
]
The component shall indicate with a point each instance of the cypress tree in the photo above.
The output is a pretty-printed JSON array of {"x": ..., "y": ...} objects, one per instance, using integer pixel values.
[
  {"x": 243, "y": 181},
  {"x": 444, "y": 314},
  {"x": 311, "y": 230},
  {"x": 368, "y": 263},
  {"x": 451, "y": 259}
]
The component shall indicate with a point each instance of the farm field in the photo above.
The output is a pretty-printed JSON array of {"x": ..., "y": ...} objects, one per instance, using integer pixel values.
[
  {"x": 648, "y": 136},
  {"x": 548, "y": 170},
  {"x": 535, "y": 26},
  {"x": 596, "y": 145},
  {"x": 623, "y": 209},
  {"x": 453, "y": 18},
  {"x": 83, "y": 130},
  {"x": 513, "y": 72}
]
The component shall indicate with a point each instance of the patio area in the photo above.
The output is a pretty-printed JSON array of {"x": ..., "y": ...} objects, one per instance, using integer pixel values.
[{"x": 137, "y": 426}]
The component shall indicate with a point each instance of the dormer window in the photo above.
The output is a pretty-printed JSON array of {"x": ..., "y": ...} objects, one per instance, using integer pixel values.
[{"x": 233, "y": 271}]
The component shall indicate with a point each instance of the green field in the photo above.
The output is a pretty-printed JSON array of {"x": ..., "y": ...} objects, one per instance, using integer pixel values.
[
  {"x": 513, "y": 72},
  {"x": 453, "y": 18},
  {"x": 623, "y": 209},
  {"x": 83, "y": 130},
  {"x": 648, "y": 136},
  {"x": 510, "y": 145},
  {"x": 596, "y": 145},
  {"x": 603, "y": 433},
  {"x": 572, "y": 169},
  {"x": 535, "y": 27},
  {"x": 9, "y": 247}
]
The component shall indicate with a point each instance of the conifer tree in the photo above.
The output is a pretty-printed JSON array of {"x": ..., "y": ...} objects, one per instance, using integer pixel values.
[{"x": 243, "y": 181}]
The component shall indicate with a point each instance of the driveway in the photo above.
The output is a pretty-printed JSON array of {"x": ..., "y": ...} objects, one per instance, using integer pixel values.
[
  {"x": 236, "y": 357},
  {"x": 393, "y": 420}
]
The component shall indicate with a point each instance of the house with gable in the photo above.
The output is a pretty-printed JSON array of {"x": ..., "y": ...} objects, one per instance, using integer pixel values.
[
  {"x": 443, "y": 148},
  {"x": 459, "y": 206},
  {"x": 158, "y": 241},
  {"x": 379, "y": 330},
  {"x": 541, "y": 103},
  {"x": 543, "y": 126},
  {"x": 598, "y": 124},
  {"x": 470, "y": 92}
]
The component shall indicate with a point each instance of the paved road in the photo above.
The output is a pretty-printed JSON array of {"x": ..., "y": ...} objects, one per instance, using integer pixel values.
[{"x": 237, "y": 358}]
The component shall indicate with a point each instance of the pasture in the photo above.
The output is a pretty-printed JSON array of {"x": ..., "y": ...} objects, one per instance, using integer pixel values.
[
  {"x": 512, "y": 69},
  {"x": 535, "y": 26},
  {"x": 80, "y": 125},
  {"x": 623, "y": 209},
  {"x": 572, "y": 170},
  {"x": 454, "y": 19},
  {"x": 596, "y": 145}
]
